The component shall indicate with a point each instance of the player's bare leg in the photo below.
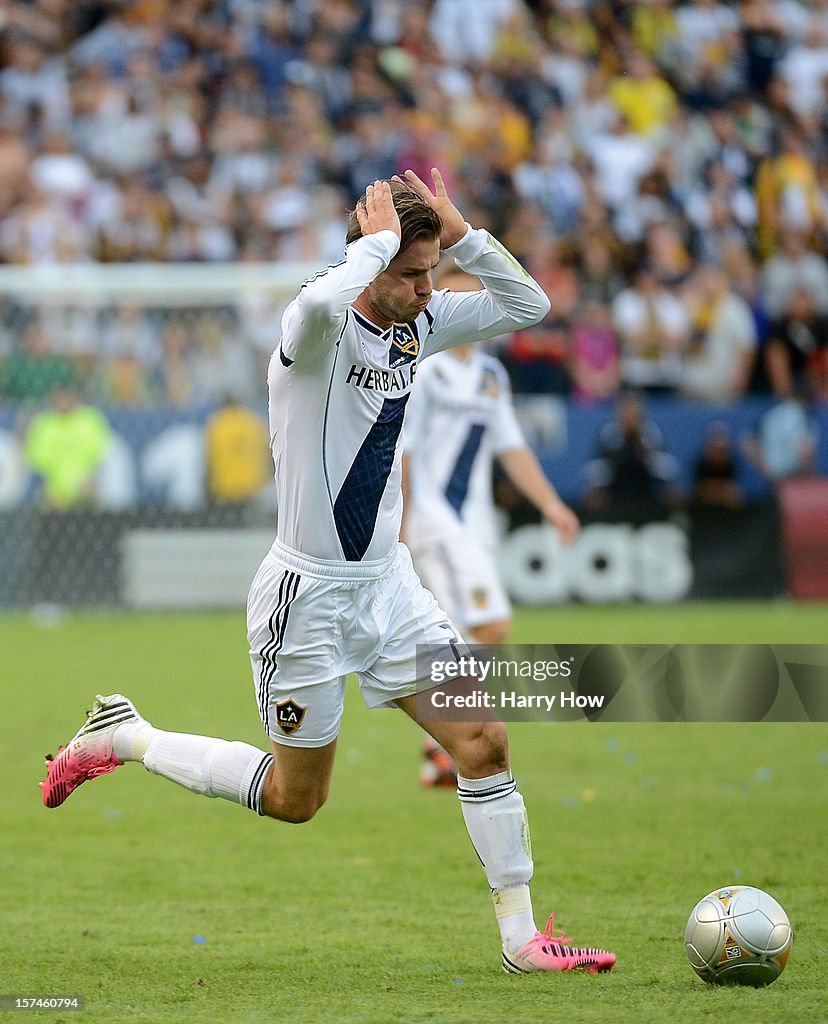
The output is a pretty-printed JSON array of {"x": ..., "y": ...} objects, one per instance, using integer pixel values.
[
  {"x": 438, "y": 768},
  {"x": 490, "y": 633},
  {"x": 297, "y": 782},
  {"x": 496, "y": 821}
]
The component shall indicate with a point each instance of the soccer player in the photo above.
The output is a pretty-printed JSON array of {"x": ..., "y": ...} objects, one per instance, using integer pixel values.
[
  {"x": 337, "y": 592},
  {"x": 460, "y": 419}
]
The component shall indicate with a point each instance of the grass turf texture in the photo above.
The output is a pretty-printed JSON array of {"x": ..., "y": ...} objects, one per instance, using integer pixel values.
[{"x": 377, "y": 910}]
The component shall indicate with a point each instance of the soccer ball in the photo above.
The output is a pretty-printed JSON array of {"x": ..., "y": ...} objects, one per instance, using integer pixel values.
[{"x": 738, "y": 936}]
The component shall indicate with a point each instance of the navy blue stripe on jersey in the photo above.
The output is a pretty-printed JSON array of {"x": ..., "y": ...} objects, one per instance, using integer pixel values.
[
  {"x": 364, "y": 322},
  {"x": 357, "y": 504},
  {"x": 430, "y": 317},
  {"x": 321, "y": 273},
  {"x": 458, "y": 485},
  {"x": 285, "y": 360}
]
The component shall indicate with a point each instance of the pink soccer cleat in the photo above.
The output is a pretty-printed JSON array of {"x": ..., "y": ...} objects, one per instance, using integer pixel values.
[
  {"x": 550, "y": 952},
  {"x": 89, "y": 753}
]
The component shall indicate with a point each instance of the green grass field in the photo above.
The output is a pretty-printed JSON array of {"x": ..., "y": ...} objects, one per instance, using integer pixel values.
[{"x": 377, "y": 911}]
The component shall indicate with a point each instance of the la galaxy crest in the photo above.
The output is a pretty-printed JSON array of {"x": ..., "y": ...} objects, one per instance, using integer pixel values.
[
  {"x": 405, "y": 345},
  {"x": 289, "y": 715}
]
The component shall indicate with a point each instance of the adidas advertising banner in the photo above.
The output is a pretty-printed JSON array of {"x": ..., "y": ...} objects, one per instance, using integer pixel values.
[
  {"x": 701, "y": 554},
  {"x": 625, "y": 683}
]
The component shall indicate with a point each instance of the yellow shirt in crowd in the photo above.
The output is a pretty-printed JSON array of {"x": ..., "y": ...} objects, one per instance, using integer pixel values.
[
  {"x": 648, "y": 105},
  {"x": 238, "y": 456}
]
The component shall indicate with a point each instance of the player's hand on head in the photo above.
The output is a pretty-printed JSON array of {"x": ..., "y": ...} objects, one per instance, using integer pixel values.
[
  {"x": 377, "y": 211},
  {"x": 454, "y": 226}
]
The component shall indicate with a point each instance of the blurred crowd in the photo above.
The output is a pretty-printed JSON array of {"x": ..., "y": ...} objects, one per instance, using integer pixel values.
[{"x": 660, "y": 168}]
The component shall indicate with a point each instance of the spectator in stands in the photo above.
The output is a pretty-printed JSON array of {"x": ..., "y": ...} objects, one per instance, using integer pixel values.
[
  {"x": 795, "y": 266},
  {"x": 784, "y": 444},
  {"x": 715, "y": 480},
  {"x": 719, "y": 360},
  {"x": 594, "y": 360},
  {"x": 631, "y": 468},
  {"x": 549, "y": 180},
  {"x": 237, "y": 454},
  {"x": 643, "y": 96},
  {"x": 797, "y": 349},
  {"x": 64, "y": 447},
  {"x": 15, "y": 161},
  {"x": 598, "y": 272},
  {"x": 654, "y": 329},
  {"x": 787, "y": 191},
  {"x": 35, "y": 370},
  {"x": 763, "y": 40},
  {"x": 745, "y": 280},
  {"x": 721, "y": 209},
  {"x": 620, "y": 159},
  {"x": 466, "y": 30},
  {"x": 707, "y": 32},
  {"x": 34, "y": 79}
]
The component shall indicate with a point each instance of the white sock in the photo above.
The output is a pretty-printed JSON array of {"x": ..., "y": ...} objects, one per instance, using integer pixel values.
[
  {"x": 514, "y": 917},
  {"x": 212, "y": 767},
  {"x": 130, "y": 740},
  {"x": 495, "y": 817}
]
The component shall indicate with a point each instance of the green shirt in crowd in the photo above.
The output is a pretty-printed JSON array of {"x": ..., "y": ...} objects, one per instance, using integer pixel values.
[{"x": 66, "y": 449}]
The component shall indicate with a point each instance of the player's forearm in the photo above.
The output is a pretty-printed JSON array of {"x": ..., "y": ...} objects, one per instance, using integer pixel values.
[
  {"x": 525, "y": 472},
  {"x": 517, "y": 300},
  {"x": 331, "y": 292},
  {"x": 313, "y": 320}
]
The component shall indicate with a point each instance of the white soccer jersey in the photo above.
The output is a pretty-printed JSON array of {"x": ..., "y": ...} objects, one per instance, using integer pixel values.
[
  {"x": 338, "y": 388},
  {"x": 460, "y": 417}
]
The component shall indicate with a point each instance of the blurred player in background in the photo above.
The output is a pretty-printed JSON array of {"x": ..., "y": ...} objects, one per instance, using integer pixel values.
[
  {"x": 337, "y": 592},
  {"x": 460, "y": 419}
]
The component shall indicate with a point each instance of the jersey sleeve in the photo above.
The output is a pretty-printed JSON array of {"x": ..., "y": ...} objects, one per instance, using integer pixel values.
[
  {"x": 510, "y": 299},
  {"x": 507, "y": 433},
  {"x": 313, "y": 322}
]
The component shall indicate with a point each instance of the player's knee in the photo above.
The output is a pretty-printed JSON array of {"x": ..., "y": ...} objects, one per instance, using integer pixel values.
[
  {"x": 294, "y": 806},
  {"x": 483, "y": 751},
  {"x": 295, "y": 810},
  {"x": 299, "y": 814},
  {"x": 491, "y": 633}
]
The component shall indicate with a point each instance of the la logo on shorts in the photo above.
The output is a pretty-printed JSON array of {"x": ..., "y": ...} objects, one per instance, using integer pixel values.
[{"x": 289, "y": 715}]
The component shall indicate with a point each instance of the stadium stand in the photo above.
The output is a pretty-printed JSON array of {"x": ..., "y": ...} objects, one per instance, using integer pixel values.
[{"x": 661, "y": 168}]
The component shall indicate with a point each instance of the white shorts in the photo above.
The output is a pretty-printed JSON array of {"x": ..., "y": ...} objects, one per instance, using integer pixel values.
[
  {"x": 311, "y": 623},
  {"x": 463, "y": 577}
]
